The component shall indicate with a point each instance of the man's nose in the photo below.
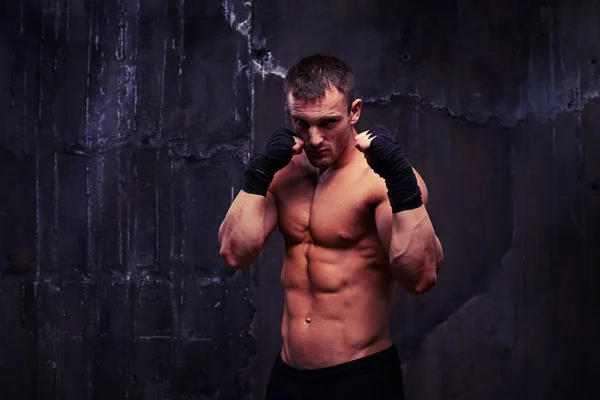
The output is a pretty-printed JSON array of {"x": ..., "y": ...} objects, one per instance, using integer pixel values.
[{"x": 315, "y": 137}]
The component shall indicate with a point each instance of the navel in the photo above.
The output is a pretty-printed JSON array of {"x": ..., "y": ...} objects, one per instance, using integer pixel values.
[{"x": 307, "y": 320}]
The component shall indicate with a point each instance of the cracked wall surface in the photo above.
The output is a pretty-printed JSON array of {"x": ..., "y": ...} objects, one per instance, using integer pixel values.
[{"x": 125, "y": 128}]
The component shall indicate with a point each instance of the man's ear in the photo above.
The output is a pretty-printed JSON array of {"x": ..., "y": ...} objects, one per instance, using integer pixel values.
[{"x": 355, "y": 110}]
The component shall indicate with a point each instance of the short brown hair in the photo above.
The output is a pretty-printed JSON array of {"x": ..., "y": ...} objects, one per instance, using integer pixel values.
[{"x": 310, "y": 77}]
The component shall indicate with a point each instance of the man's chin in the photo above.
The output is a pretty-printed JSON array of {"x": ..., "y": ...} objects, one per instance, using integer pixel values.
[{"x": 320, "y": 162}]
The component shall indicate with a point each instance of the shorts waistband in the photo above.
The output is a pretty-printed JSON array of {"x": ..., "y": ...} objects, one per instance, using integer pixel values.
[{"x": 384, "y": 356}]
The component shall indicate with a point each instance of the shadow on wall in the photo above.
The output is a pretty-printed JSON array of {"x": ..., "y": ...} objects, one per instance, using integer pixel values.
[{"x": 466, "y": 167}]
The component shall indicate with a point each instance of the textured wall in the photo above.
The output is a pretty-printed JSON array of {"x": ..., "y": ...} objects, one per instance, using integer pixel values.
[
  {"x": 124, "y": 123},
  {"x": 125, "y": 128}
]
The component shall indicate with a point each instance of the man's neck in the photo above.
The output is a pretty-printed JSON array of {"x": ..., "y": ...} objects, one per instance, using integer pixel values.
[{"x": 348, "y": 155}]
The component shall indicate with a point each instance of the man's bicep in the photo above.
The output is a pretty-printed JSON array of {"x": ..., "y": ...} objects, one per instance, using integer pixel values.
[
  {"x": 271, "y": 214},
  {"x": 383, "y": 220}
]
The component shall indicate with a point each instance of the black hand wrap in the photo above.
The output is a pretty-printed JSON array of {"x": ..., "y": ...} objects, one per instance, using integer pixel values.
[
  {"x": 388, "y": 160},
  {"x": 276, "y": 154}
]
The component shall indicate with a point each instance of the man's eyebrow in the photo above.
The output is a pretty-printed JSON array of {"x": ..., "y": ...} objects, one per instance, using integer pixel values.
[{"x": 303, "y": 117}]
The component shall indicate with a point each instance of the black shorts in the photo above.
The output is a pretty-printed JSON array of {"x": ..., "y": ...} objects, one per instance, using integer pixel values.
[{"x": 377, "y": 376}]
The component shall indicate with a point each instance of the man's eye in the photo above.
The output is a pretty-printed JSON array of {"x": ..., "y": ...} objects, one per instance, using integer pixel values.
[
  {"x": 330, "y": 122},
  {"x": 302, "y": 124}
]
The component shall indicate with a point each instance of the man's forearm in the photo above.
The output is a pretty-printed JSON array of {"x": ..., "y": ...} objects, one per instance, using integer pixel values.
[
  {"x": 241, "y": 235},
  {"x": 415, "y": 251},
  {"x": 253, "y": 215}
]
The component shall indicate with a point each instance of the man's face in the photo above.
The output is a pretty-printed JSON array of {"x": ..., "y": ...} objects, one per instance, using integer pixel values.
[{"x": 325, "y": 125}]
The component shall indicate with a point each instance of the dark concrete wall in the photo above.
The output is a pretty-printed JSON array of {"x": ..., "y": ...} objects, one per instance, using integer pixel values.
[{"x": 125, "y": 128}]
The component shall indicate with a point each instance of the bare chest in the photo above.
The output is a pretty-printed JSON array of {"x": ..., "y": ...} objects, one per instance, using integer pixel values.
[{"x": 334, "y": 213}]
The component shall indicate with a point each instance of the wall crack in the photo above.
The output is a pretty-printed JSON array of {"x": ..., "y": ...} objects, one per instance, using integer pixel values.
[
  {"x": 483, "y": 119},
  {"x": 262, "y": 59}
]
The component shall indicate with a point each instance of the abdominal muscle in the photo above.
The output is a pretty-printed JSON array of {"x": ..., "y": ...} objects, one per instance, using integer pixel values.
[{"x": 337, "y": 306}]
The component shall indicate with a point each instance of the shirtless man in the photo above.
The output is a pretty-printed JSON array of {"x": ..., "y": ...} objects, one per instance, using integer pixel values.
[{"x": 352, "y": 213}]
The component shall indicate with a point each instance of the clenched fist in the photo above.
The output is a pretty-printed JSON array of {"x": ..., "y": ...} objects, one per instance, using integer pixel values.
[{"x": 386, "y": 157}]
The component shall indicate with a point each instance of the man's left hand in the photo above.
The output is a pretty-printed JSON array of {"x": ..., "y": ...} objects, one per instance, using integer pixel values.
[
  {"x": 363, "y": 141},
  {"x": 386, "y": 157}
]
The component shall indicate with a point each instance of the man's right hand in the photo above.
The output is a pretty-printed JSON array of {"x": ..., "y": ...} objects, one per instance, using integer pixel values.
[
  {"x": 299, "y": 146},
  {"x": 276, "y": 154}
]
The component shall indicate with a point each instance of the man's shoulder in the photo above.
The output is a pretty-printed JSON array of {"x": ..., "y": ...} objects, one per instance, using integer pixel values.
[
  {"x": 375, "y": 187},
  {"x": 297, "y": 170},
  {"x": 378, "y": 188},
  {"x": 372, "y": 185}
]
